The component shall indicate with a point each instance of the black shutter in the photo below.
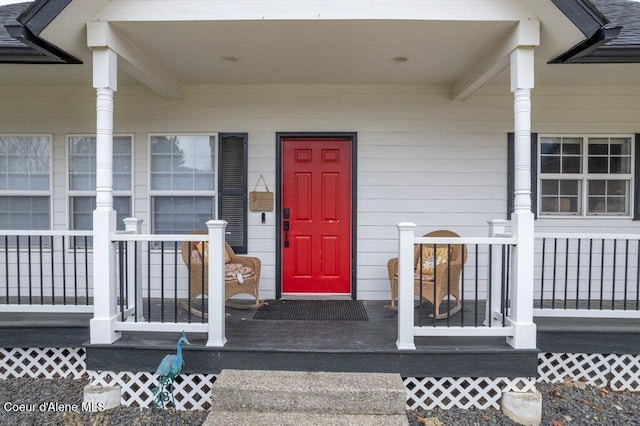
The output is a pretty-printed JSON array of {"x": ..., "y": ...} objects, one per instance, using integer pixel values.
[
  {"x": 636, "y": 180},
  {"x": 511, "y": 174},
  {"x": 232, "y": 188}
]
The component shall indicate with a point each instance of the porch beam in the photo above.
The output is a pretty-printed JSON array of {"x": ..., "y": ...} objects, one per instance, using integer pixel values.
[
  {"x": 134, "y": 60},
  {"x": 230, "y": 10},
  {"x": 526, "y": 33}
]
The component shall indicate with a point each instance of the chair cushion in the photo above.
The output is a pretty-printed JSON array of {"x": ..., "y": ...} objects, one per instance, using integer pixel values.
[
  {"x": 231, "y": 271},
  {"x": 203, "y": 246},
  {"x": 428, "y": 261}
]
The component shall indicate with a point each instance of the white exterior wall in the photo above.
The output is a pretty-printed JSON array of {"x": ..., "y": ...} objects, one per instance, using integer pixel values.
[{"x": 421, "y": 157}]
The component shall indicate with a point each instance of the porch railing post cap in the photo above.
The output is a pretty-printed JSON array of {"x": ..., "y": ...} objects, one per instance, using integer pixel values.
[
  {"x": 406, "y": 225},
  {"x": 216, "y": 223}
]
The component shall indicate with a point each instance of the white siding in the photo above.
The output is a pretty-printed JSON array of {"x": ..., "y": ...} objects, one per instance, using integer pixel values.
[{"x": 421, "y": 157}]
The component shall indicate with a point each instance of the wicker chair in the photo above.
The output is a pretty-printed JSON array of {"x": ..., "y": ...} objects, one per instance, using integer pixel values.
[
  {"x": 199, "y": 275},
  {"x": 447, "y": 275}
]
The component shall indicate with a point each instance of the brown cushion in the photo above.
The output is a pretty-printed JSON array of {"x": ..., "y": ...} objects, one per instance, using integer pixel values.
[
  {"x": 231, "y": 271},
  {"x": 204, "y": 246}
]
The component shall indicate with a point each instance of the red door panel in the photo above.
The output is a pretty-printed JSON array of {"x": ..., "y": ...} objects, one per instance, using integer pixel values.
[{"x": 316, "y": 188}]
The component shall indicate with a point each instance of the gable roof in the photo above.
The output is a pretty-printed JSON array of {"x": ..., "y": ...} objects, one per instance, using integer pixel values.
[
  {"x": 617, "y": 40},
  {"x": 20, "y": 25}
]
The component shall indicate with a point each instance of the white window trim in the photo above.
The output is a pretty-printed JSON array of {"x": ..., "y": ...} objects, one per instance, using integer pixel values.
[
  {"x": 35, "y": 193},
  {"x": 584, "y": 176},
  {"x": 177, "y": 193},
  {"x": 84, "y": 193}
]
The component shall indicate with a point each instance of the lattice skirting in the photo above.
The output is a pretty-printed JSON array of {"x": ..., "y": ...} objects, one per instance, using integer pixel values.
[
  {"x": 46, "y": 363},
  {"x": 618, "y": 372},
  {"x": 461, "y": 392},
  {"x": 191, "y": 391}
]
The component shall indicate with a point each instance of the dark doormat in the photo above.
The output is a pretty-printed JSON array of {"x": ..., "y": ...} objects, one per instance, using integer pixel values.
[{"x": 313, "y": 310}]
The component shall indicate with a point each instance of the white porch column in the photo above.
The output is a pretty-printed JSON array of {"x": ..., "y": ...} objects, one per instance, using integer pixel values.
[
  {"x": 406, "y": 235},
  {"x": 522, "y": 67},
  {"x": 102, "y": 326},
  {"x": 216, "y": 312}
]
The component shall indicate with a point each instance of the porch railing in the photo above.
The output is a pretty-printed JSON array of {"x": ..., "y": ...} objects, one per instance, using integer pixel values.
[
  {"x": 46, "y": 271},
  {"x": 484, "y": 289},
  {"x": 587, "y": 275},
  {"x": 153, "y": 283}
]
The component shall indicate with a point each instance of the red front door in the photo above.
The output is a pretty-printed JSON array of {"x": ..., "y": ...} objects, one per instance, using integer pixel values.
[{"x": 316, "y": 215}]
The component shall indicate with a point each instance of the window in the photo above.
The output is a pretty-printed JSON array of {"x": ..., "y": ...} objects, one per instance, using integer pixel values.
[
  {"x": 82, "y": 180},
  {"x": 183, "y": 180},
  {"x": 182, "y": 186},
  {"x": 585, "y": 175},
  {"x": 25, "y": 182}
]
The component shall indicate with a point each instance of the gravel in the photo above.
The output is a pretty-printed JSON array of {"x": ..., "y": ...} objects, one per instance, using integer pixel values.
[{"x": 563, "y": 405}]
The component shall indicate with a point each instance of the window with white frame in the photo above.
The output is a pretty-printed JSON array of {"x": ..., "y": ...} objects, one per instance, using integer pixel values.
[
  {"x": 82, "y": 179},
  {"x": 25, "y": 182},
  {"x": 182, "y": 182},
  {"x": 585, "y": 175}
]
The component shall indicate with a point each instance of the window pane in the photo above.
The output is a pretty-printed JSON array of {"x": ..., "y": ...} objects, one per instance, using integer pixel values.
[
  {"x": 550, "y": 146},
  {"x": 608, "y": 197},
  {"x": 24, "y": 212},
  {"x": 561, "y": 196},
  {"x": 82, "y": 163},
  {"x": 178, "y": 162},
  {"x": 25, "y": 163},
  {"x": 617, "y": 187},
  {"x": 597, "y": 187},
  {"x": 598, "y": 148},
  {"x": 82, "y": 208},
  {"x": 620, "y": 146},
  {"x": 569, "y": 187},
  {"x": 181, "y": 215},
  {"x": 598, "y": 165},
  {"x": 620, "y": 165},
  {"x": 610, "y": 155},
  {"x": 561, "y": 155},
  {"x": 616, "y": 205},
  {"x": 550, "y": 187},
  {"x": 550, "y": 165},
  {"x": 572, "y": 147},
  {"x": 571, "y": 164}
]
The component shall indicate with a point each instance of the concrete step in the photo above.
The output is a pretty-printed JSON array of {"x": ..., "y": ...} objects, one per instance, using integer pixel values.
[
  {"x": 308, "y": 392},
  {"x": 255, "y": 418}
]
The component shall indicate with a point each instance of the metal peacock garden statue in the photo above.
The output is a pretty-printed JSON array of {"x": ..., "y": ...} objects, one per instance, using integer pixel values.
[{"x": 169, "y": 368}]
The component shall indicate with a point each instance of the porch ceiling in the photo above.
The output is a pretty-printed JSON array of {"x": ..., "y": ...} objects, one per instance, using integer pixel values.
[
  {"x": 438, "y": 50},
  {"x": 317, "y": 52}
]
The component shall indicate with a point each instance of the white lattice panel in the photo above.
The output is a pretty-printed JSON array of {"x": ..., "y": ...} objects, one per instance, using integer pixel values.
[
  {"x": 42, "y": 363},
  {"x": 462, "y": 392},
  {"x": 191, "y": 391},
  {"x": 589, "y": 368},
  {"x": 625, "y": 372}
]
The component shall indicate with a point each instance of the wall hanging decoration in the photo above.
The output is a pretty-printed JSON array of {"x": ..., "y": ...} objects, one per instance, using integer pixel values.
[{"x": 261, "y": 201}]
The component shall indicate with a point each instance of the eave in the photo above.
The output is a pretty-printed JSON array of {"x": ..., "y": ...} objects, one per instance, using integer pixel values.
[{"x": 26, "y": 29}]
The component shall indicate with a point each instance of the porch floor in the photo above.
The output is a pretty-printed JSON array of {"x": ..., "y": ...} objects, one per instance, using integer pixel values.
[{"x": 364, "y": 346}]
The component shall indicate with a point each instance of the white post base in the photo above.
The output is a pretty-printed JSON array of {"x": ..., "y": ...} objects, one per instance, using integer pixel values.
[
  {"x": 102, "y": 330},
  {"x": 524, "y": 336},
  {"x": 216, "y": 343}
]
